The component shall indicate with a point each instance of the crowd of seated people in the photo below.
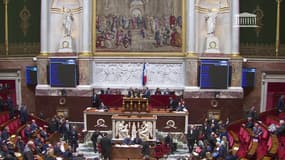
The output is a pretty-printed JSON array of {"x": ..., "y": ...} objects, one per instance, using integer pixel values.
[
  {"x": 32, "y": 137},
  {"x": 209, "y": 141}
]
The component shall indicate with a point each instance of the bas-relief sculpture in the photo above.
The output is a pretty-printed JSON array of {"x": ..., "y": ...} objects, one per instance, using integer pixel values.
[
  {"x": 124, "y": 129},
  {"x": 139, "y": 25},
  {"x": 130, "y": 74}
]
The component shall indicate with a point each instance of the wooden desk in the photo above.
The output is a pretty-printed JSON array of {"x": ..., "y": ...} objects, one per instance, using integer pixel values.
[
  {"x": 135, "y": 104},
  {"x": 166, "y": 121},
  {"x": 128, "y": 152}
]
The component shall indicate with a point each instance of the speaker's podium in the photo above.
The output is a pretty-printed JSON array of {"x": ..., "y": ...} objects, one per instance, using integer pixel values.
[{"x": 135, "y": 104}]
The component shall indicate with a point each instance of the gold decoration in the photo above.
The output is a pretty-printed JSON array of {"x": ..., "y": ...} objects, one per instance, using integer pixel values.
[
  {"x": 259, "y": 18},
  {"x": 25, "y": 15}
]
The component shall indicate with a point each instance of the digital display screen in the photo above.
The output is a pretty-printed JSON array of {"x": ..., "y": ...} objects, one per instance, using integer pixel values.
[
  {"x": 214, "y": 74},
  {"x": 63, "y": 72},
  {"x": 248, "y": 77},
  {"x": 31, "y": 75}
]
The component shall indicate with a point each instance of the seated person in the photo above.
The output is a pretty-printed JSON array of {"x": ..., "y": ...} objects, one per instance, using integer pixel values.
[
  {"x": 157, "y": 91},
  {"x": 34, "y": 126},
  {"x": 181, "y": 107},
  {"x": 137, "y": 140},
  {"x": 127, "y": 141},
  {"x": 146, "y": 93},
  {"x": 257, "y": 130},
  {"x": 280, "y": 130},
  {"x": 173, "y": 103},
  {"x": 249, "y": 123},
  {"x": 102, "y": 106}
]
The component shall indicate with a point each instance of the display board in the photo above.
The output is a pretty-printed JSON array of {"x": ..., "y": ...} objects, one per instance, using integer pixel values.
[
  {"x": 214, "y": 74},
  {"x": 31, "y": 75},
  {"x": 63, "y": 72},
  {"x": 248, "y": 77}
]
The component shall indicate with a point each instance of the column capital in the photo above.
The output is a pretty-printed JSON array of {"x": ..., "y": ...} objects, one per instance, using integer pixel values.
[{"x": 5, "y": 2}]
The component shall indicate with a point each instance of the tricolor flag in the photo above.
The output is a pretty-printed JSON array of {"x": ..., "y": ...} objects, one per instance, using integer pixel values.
[{"x": 144, "y": 75}]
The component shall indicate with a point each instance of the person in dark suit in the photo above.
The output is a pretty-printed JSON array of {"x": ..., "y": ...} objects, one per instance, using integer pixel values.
[
  {"x": 192, "y": 136},
  {"x": 1, "y": 104},
  {"x": 23, "y": 114},
  {"x": 73, "y": 138},
  {"x": 146, "y": 93},
  {"x": 173, "y": 103},
  {"x": 280, "y": 130},
  {"x": 145, "y": 149},
  {"x": 106, "y": 145},
  {"x": 280, "y": 104},
  {"x": 28, "y": 151},
  {"x": 10, "y": 106},
  {"x": 249, "y": 123},
  {"x": 137, "y": 139},
  {"x": 95, "y": 101},
  {"x": 94, "y": 139},
  {"x": 253, "y": 113}
]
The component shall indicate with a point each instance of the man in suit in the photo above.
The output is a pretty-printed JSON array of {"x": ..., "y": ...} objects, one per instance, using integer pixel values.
[
  {"x": 23, "y": 114},
  {"x": 106, "y": 145},
  {"x": 280, "y": 104},
  {"x": 192, "y": 136},
  {"x": 28, "y": 151},
  {"x": 94, "y": 139},
  {"x": 95, "y": 101},
  {"x": 10, "y": 106}
]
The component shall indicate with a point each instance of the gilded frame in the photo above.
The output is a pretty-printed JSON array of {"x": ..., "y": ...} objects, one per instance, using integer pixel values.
[{"x": 180, "y": 53}]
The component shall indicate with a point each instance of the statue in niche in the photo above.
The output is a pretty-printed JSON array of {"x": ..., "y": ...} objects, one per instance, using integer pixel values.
[
  {"x": 211, "y": 22},
  {"x": 67, "y": 21},
  {"x": 66, "y": 42}
]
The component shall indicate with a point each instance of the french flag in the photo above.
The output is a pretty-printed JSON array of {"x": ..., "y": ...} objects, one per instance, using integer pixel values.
[{"x": 144, "y": 76}]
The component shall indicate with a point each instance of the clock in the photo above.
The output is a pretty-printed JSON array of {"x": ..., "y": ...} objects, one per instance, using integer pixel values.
[{"x": 212, "y": 45}]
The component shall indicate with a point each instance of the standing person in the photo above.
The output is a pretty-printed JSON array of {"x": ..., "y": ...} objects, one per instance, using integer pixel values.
[
  {"x": 145, "y": 149},
  {"x": 192, "y": 136},
  {"x": 106, "y": 145},
  {"x": 1, "y": 104},
  {"x": 73, "y": 138},
  {"x": 23, "y": 114},
  {"x": 10, "y": 106},
  {"x": 280, "y": 104},
  {"x": 94, "y": 139},
  {"x": 28, "y": 151}
]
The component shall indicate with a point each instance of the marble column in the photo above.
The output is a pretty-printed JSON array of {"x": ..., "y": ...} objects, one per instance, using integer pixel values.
[
  {"x": 190, "y": 27},
  {"x": 44, "y": 26},
  {"x": 42, "y": 70},
  {"x": 235, "y": 29},
  {"x": 84, "y": 65},
  {"x": 86, "y": 27},
  {"x": 191, "y": 73},
  {"x": 236, "y": 72}
]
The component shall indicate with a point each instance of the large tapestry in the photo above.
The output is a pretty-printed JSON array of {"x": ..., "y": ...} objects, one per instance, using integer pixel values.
[{"x": 139, "y": 25}]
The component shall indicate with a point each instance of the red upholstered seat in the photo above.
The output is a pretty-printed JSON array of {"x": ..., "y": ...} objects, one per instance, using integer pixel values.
[
  {"x": 158, "y": 151},
  {"x": 231, "y": 140},
  {"x": 166, "y": 149}
]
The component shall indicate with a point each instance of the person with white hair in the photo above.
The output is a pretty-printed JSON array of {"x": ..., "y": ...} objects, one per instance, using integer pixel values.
[{"x": 280, "y": 130}]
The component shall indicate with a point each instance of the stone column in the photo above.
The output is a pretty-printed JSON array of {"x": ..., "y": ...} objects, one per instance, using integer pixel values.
[
  {"x": 190, "y": 27},
  {"x": 236, "y": 72},
  {"x": 191, "y": 74},
  {"x": 86, "y": 27},
  {"x": 42, "y": 70},
  {"x": 235, "y": 29},
  {"x": 44, "y": 26},
  {"x": 84, "y": 66}
]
